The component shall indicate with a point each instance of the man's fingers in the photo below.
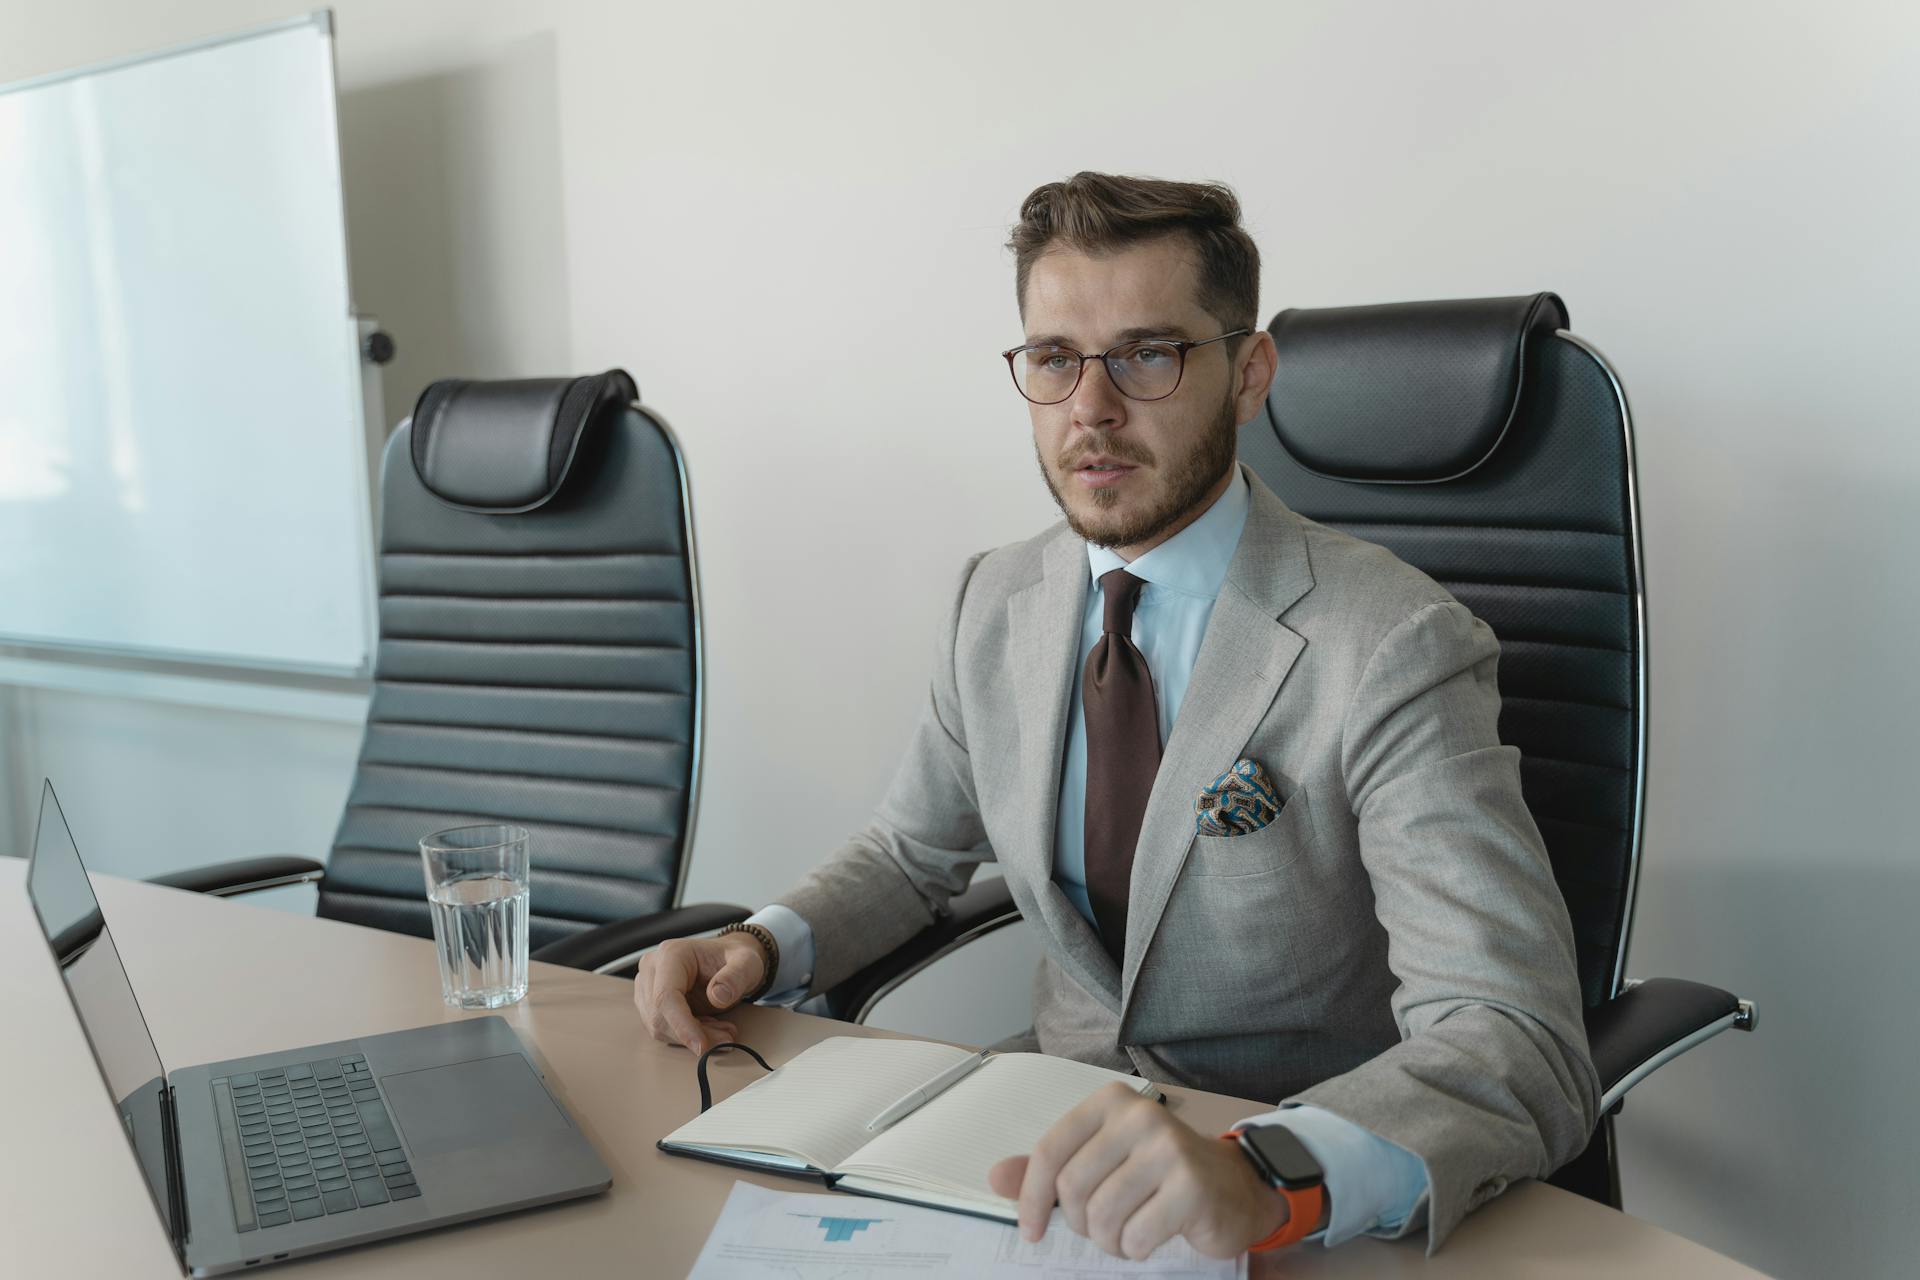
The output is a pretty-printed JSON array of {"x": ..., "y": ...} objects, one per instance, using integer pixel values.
[
  {"x": 734, "y": 979},
  {"x": 1082, "y": 1178},
  {"x": 661, "y": 983},
  {"x": 673, "y": 1001},
  {"x": 643, "y": 988},
  {"x": 1005, "y": 1176},
  {"x": 664, "y": 968},
  {"x": 1054, "y": 1149},
  {"x": 681, "y": 1025},
  {"x": 1122, "y": 1191},
  {"x": 1154, "y": 1223}
]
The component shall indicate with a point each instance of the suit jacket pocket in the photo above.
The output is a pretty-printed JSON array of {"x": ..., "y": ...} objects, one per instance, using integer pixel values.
[{"x": 1257, "y": 852}]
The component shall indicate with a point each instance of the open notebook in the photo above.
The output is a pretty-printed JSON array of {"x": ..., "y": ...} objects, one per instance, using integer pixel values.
[{"x": 809, "y": 1118}]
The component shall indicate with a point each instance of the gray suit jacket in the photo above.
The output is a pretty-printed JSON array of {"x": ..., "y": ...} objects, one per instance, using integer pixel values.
[{"x": 1391, "y": 948}]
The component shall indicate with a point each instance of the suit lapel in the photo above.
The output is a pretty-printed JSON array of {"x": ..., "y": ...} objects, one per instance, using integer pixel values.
[
  {"x": 1044, "y": 622},
  {"x": 1243, "y": 658}
]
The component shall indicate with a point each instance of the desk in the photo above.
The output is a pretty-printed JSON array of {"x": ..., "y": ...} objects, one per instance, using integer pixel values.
[{"x": 219, "y": 979}]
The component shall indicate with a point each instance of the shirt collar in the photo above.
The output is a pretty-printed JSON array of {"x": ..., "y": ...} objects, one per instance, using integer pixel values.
[{"x": 1193, "y": 561}]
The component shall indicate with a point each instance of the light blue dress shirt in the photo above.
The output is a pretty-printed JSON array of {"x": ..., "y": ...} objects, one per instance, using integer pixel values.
[{"x": 1375, "y": 1185}]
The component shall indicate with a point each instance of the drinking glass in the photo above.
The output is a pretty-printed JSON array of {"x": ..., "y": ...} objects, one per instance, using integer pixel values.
[{"x": 477, "y": 890}]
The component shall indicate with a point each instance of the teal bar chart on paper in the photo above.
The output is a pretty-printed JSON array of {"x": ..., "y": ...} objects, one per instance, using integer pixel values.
[
  {"x": 839, "y": 1229},
  {"x": 812, "y": 1236}
]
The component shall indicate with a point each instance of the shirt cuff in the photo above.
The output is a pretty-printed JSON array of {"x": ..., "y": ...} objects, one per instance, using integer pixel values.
[
  {"x": 1375, "y": 1185},
  {"x": 795, "y": 939}
]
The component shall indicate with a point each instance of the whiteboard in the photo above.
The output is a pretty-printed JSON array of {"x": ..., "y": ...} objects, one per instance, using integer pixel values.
[{"x": 183, "y": 458}]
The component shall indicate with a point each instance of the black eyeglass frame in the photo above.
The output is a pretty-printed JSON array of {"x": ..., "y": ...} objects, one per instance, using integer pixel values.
[{"x": 1180, "y": 345}]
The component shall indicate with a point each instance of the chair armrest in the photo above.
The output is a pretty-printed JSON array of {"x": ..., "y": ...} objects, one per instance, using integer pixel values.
[
  {"x": 987, "y": 906},
  {"x": 609, "y": 948},
  {"x": 1652, "y": 1022},
  {"x": 245, "y": 875}
]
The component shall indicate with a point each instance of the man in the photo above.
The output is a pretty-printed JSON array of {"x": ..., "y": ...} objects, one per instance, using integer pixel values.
[{"x": 1242, "y": 775}]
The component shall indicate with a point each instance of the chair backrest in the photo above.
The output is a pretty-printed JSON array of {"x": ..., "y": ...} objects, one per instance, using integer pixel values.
[
  {"x": 539, "y": 657},
  {"x": 1485, "y": 445}
]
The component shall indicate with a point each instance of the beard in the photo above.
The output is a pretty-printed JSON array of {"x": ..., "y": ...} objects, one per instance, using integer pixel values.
[{"x": 1188, "y": 480}]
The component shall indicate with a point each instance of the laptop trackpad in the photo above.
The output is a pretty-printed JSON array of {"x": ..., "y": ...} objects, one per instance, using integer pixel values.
[{"x": 484, "y": 1103}]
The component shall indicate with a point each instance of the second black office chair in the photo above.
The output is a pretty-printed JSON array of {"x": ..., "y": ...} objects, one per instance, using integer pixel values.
[{"x": 539, "y": 663}]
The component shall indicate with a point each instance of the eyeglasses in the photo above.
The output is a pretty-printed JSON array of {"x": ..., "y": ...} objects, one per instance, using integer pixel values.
[{"x": 1048, "y": 374}]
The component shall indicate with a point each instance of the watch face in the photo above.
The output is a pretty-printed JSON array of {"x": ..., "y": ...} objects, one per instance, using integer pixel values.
[{"x": 1287, "y": 1162}]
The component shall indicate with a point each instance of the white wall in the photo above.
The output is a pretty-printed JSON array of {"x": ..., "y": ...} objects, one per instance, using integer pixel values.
[{"x": 786, "y": 220}]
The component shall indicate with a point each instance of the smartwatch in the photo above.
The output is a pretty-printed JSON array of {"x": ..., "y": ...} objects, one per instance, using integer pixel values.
[{"x": 1284, "y": 1164}]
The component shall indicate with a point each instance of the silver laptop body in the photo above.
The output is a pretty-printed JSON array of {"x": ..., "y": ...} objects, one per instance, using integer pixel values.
[{"x": 283, "y": 1155}]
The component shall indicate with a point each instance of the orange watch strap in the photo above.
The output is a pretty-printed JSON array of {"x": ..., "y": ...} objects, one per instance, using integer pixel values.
[
  {"x": 1303, "y": 1219},
  {"x": 1303, "y": 1212}
]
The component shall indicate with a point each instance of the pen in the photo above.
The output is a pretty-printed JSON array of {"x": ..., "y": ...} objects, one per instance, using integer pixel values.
[{"x": 927, "y": 1092}]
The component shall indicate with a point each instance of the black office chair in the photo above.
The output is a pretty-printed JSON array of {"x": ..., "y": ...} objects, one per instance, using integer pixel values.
[
  {"x": 539, "y": 663},
  {"x": 1483, "y": 443}
]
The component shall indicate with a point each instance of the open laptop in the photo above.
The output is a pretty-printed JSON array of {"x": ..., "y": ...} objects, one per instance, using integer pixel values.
[{"x": 287, "y": 1154}]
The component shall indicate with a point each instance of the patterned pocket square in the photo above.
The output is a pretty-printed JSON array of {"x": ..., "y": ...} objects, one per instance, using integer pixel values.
[{"x": 1240, "y": 801}]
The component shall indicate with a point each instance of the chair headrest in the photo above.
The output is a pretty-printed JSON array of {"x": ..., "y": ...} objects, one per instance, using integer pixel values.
[
  {"x": 505, "y": 447},
  {"x": 1407, "y": 392}
]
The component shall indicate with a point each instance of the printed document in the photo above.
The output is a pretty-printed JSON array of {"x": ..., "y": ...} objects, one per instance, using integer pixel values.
[{"x": 816, "y": 1237}]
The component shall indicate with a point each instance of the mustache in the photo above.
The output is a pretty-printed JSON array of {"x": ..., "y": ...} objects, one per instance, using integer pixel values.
[{"x": 1122, "y": 450}]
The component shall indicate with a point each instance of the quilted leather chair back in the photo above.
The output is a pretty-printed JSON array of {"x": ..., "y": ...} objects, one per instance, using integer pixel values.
[
  {"x": 1482, "y": 443},
  {"x": 539, "y": 654}
]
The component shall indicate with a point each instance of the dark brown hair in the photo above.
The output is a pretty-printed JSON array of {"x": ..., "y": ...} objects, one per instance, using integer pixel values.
[{"x": 1102, "y": 212}]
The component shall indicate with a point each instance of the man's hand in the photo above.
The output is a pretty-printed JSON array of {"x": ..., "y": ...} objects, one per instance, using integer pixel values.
[
  {"x": 684, "y": 983},
  {"x": 1128, "y": 1176}
]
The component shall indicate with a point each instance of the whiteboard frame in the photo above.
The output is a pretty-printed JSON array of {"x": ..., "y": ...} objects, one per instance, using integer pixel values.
[
  {"x": 46, "y": 647},
  {"x": 322, "y": 18}
]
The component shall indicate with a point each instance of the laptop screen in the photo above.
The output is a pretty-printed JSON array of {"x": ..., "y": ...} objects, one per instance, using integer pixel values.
[{"x": 102, "y": 997}]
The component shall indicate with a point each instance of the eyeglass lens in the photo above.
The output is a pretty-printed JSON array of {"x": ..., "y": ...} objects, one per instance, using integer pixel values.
[{"x": 1142, "y": 370}]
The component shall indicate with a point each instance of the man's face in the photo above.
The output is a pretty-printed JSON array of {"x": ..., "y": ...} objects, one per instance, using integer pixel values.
[{"x": 1129, "y": 474}]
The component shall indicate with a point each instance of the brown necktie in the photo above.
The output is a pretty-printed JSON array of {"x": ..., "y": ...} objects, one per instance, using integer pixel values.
[{"x": 1123, "y": 754}]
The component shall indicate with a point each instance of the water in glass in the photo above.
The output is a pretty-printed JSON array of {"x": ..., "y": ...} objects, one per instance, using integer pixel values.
[{"x": 480, "y": 924}]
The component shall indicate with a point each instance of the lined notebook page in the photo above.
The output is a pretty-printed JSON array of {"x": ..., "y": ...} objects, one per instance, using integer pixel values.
[
  {"x": 816, "y": 1106},
  {"x": 1000, "y": 1110}
]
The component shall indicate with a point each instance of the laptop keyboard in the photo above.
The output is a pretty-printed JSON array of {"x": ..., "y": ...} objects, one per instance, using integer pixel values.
[{"x": 308, "y": 1140}]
